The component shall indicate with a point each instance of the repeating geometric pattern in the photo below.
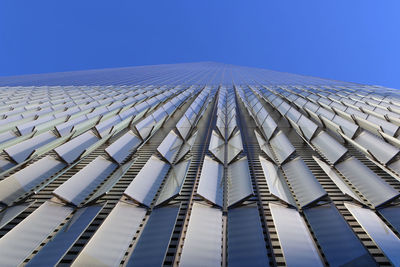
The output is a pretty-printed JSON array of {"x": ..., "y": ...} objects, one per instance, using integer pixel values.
[{"x": 200, "y": 164}]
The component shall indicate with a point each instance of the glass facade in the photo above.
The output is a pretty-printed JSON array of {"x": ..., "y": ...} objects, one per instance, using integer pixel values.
[{"x": 198, "y": 164}]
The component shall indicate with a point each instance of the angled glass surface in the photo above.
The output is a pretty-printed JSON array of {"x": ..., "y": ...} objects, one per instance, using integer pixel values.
[
  {"x": 381, "y": 150},
  {"x": 307, "y": 127},
  {"x": 246, "y": 245},
  {"x": 339, "y": 243},
  {"x": 329, "y": 147},
  {"x": 203, "y": 241},
  {"x": 111, "y": 240},
  {"x": 217, "y": 146},
  {"x": 147, "y": 182},
  {"x": 276, "y": 183},
  {"x": 345, "y": 188},
  {"x": 170, "y": 146},
  {"x": 21, "y": 151},
  {"x": 186, "y": 147},
  {"x": 151, "y": 248},
  {"x": 234, "y": 146},
  {"x": 239, "y": 182},
  {"x": 210, "y": 184},
  {"x": 282, "y": 147},
  {"x": 76, "y": 189},
  {"x": 21, "y": 241},
  {"x": 11, "y": 213},
  {"x": 392, "y": 215},
  {"x": 174, "y": 182},
  {"x": 123, "y": 147},
  {"x": 295, "y": 240},
  {"x": 380, "y": 233},
  {"x": 304, "y": 184},
  {"x": 28, "y": 178},
  {"x": 72, "y": 149},
  {"x": 374, "y": 189},
  {"x": 56, "y": 248}
]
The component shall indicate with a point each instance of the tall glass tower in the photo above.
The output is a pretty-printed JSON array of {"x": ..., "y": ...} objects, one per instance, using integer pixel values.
[{"x": 200, "y": 164}]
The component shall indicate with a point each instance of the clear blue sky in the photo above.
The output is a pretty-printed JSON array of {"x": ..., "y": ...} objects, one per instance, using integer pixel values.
[{"x": 350, "y": 40}]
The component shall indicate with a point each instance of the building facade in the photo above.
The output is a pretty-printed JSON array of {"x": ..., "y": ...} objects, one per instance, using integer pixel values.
[{"x": 200, "y": 164}]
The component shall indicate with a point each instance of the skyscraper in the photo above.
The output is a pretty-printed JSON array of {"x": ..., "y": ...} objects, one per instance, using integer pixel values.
[{"x": 201, "y": 164}]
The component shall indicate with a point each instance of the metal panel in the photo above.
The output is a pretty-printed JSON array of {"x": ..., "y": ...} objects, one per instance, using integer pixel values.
[
  {"x": 276, "y": 183},
  {"x": 110, "y": 242},
  {"x": 282, "y": 147},
  {"x": 381, "y": 150},
  {"x": 239, "y": 182},
  {"x": 170, "y": 146},
  {"x": 217, "y": 146},
  {"x": 340, "y": 245},
  {"x": 21, "y": 151},
  {"x": 123, "y": 147},
  {"x": 76, "y": 189},
  {"x": 203, "y": 242},
  {"x": 56, "y": 248},
  {"x": 246, "y": 245},
  {"x": 151, "y": 248},
  {"x": 146, "y": 183},
  {"x": 331, "y": 149},
  {"x": 24, "y": 238},
  {"x": 374, "y": 189},
  {"x": 379, "y": 232},
  {"x": 296, "y": 242},
  {"x": 72, "y": 149},
  {"x": 174, "y": 182},
  {"x": 10, "y": 213},
  {"x": 304, "y": 185},
  {"x": 211, "y": 183},
  {"x": 28, "y": 178},
  {"x": 346, "y": 189}
]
